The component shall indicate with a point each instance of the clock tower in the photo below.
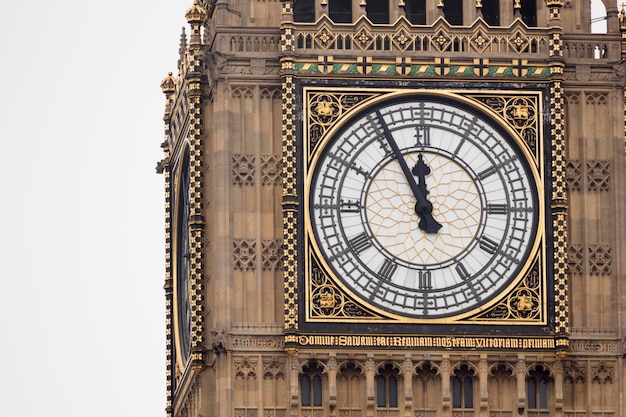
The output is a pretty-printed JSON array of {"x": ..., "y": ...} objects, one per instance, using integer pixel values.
[{"x": 396, "y": 208}]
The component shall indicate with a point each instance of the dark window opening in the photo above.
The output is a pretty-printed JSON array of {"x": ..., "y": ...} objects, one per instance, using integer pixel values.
[
  {"x": 463, "y": 388},
  {"x": 340, "y": 11},
  {"x": 453, "y": 11},
  {"x": 311, "y": 386},
  {"x": 304, "y": 11},
  {"x": 537, "y": 386},
  {"x": 416, "y": 11},
  {"x": 529, "y": 12},
  {"x": 387, "y": 387},
  {"x": 378, "y": 11},
  {"x": 491, "y": 12}
]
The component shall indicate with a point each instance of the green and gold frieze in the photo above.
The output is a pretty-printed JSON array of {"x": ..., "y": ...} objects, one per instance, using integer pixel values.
[{"x": 479, "y": 68}]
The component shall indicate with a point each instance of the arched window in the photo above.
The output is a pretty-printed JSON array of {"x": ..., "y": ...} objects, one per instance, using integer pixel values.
[
  {"x": 491, "y": 12},
  {"x": 304, "y": 11},
  {"x": 415, "y": 11},
  {"x": 529, "y": 12},
  {"x": 453, "y": 11},
  {"x": 311, "y": 385},
  {"x": 537, "y": 387},
  {"x": 377, "y": 11},
  {"x": 463, "y": 387},
  {"x": 340, "y": 11},
  {"x": 387, "y": 387}
]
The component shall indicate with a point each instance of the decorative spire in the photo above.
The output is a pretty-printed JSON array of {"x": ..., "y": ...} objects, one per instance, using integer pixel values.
[{"x": 183, "y": 47}]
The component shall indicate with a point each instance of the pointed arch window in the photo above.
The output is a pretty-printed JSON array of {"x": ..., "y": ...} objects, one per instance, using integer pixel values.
[
  {"x": 415, "y": 11},
  {"x": 453, "y": 11},
  {"x": 491, "y": 12},
  {"x": 537, "y": 387},
  {"x": 311, "y": 385},
  {"x": 340, "y": 11},
  {"x": 463, "y": 388},
  {"x": 304, "y": 11},
  {"x": 529, "y": 12},
  {"x": 377, "y": 11},
  {"x": 387, "y": 387}
]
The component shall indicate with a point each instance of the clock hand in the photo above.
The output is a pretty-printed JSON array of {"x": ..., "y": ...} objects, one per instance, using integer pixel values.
[
  {"x": 423, "y": 207},
  {"x": 420, "y": 170}
]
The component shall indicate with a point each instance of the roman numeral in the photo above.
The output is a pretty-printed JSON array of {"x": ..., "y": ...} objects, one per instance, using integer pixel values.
[
  {"x": 488, "y": 245},
  {"x": 424, "y": 280},
  {"x": 360, "y": 242},
  {"x": 349, "y": 206},
  {"x": 387, "y": 269},
  {"x": 422, "y": 136},
  {"x": 462, "y": 271},
  {"x": 497, "y": 209},
  {"x": 359, "y": 170},
  {"x": 486, "y": 173}
]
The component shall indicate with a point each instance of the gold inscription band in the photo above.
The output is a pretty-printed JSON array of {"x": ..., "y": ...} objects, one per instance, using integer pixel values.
[{"x": 426, "y": 342}]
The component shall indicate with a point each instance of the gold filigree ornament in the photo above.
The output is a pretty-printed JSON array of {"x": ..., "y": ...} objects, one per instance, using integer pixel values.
[
  {"x": 324, "y": 38},
  {"x": 364, "y": 39},
  {"x": 520, "y": 112},
  {"x": 328, "y": 301},
  {"x": 479, "y": 42},
  {"x": 442, "y": 41},
  {"x": 523, "y": 303},
  {"x": 324, "y": 109},
  {"x": 402, "y": 40},
  {"x": 519, "y": 42}
]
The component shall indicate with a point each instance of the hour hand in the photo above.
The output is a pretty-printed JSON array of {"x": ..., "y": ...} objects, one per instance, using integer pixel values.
[{"x": 423, "y": 207}]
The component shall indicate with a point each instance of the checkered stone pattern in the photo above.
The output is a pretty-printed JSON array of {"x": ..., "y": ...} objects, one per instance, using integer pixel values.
[
  {"x": 555, "y": 13},
  {"x": 559, "y": 208},
  {"x": 196, "y": 223},
  {"x": 286, "y": 35},
  {"x": 557, "y": 133},
  {"x": 560, "y": 274},
  {"x": 556, "y": 45},
  {"x": 169, "y": 358},
  {"x": 290, "y": 225}
]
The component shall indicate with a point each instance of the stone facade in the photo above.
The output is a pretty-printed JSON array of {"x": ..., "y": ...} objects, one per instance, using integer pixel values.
[{"x": 246, "y": 336}]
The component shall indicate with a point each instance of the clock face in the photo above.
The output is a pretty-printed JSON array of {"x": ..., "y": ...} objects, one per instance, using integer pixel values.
[
  {"x": 423, "y": 207},
  {"x": 183, "y": 310}
]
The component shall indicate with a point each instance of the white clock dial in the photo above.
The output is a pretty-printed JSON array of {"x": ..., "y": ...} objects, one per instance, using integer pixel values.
[{"x": 423, "y": 207}]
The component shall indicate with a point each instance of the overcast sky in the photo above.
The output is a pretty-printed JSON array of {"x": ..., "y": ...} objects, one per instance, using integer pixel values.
[{"x": 81, "y": 214}]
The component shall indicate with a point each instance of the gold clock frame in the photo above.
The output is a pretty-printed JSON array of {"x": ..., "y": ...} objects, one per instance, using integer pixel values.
[
  {"x": 546, "y": 281},
  {"x": 523, "y": 301}
]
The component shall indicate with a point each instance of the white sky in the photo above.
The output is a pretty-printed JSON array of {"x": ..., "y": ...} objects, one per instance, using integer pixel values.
[{"x": 81, "y": 214}]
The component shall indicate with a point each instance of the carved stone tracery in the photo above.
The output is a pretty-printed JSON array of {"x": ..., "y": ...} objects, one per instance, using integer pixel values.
[
  {"x": 272, "y": 254},
  {"x": 244, "y": 254},
  {"x": 244, "y": 169}
]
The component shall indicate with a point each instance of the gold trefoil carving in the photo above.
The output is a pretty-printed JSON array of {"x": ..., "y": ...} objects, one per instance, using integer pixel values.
[
  {"x": 325, "y": 109},
  {"x": 329, "y": 301}
]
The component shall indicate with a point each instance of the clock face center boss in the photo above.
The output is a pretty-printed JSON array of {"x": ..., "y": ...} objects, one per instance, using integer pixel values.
[{"x": 423, "y": 207}]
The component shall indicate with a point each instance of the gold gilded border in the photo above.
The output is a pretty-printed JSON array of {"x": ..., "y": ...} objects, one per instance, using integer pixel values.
[{"x": 519, "y": 115}]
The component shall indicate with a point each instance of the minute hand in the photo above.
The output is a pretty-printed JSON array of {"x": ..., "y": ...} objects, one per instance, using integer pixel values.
[{"x": 423, "y": 207}]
